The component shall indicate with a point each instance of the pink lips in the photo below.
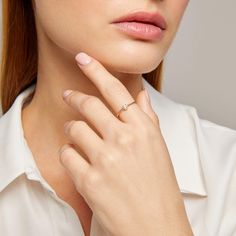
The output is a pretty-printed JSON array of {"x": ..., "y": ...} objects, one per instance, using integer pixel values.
[{"x": 142, "y": 25}]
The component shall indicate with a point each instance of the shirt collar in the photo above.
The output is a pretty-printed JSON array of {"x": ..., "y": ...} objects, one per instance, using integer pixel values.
[
  {"x": 16, "y": 158},
  {"x": 179, "y": 126},
  {"x": 181, "y": 130}
]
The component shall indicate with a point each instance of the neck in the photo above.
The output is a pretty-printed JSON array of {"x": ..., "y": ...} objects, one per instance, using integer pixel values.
[{"x": 44, "y": 116}]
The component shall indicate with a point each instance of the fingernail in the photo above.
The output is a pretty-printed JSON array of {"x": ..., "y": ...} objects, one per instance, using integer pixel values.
[
  {"x": 147, "y": 95},
  {"x": 66, "y": 93},
  {"x": 64, "y": 147},
  {"x": 66, "y": 126},
  {"x": 83, "y": 59}
]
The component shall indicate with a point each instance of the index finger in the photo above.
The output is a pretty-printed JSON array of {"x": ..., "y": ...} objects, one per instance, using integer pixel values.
[{"x": 111, "y": 88}]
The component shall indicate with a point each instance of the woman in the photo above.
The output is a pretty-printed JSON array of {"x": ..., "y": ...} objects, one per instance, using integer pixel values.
[{"x": 74, "y": 80}]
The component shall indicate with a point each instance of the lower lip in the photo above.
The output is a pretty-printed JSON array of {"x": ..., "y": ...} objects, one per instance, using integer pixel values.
[{"x": 140, "y": 30}]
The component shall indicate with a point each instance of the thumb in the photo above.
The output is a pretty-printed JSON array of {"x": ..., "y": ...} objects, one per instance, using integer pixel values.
[{"x": 144, "y": 102}]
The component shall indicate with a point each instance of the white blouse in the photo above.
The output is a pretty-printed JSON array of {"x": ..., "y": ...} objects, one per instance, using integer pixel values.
[{"x": 203, "y": 155}]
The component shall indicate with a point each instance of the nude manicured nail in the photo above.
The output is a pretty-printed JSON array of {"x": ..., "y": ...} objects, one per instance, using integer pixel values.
[
  {"x": 83, "y": 59},
  {"x": 66, "y": 93}
]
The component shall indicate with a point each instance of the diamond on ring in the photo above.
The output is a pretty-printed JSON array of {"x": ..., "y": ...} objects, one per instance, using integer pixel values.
[{"x": 124, "y": 108}]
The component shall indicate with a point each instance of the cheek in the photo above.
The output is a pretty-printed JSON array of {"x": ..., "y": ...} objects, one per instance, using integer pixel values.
[
  {"x": 176, "y": 10},
  {"x": 70, "y": 24}
]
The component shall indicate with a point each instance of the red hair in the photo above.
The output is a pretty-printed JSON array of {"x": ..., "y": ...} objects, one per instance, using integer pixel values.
[{"x": 20, "y": 53}]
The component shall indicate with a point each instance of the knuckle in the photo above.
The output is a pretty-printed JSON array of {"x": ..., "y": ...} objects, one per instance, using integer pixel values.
[
  {"x": 125, "y": 138},
  {"x": 91, "y": 180},
  {"x": 112, "y": 128},
  {"x": 88, "y": 101},
  {"x": 108, "y": 159}
]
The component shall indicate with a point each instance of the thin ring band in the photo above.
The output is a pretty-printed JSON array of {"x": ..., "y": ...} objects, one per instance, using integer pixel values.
[{"x": 124, "y": 108}]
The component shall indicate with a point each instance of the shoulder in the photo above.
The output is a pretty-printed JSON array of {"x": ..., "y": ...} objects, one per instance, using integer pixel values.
[
  {"x": 212, "y": 131},
  {"x": 217, "y": 142}
]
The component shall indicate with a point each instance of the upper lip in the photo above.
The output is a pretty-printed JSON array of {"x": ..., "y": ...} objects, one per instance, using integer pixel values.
[{"x": 142, "y": 16}]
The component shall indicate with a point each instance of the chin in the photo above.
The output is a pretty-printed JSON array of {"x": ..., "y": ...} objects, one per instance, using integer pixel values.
[
  {"x": 131, "y": 65},
  {"x": 135, "y": 62}
]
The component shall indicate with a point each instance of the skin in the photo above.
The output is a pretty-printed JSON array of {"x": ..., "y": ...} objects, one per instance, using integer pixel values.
[{"x": 64, "y": 29}]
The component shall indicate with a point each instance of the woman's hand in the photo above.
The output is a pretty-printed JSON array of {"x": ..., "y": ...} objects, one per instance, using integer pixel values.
[{"x": 128, "y": 180}]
